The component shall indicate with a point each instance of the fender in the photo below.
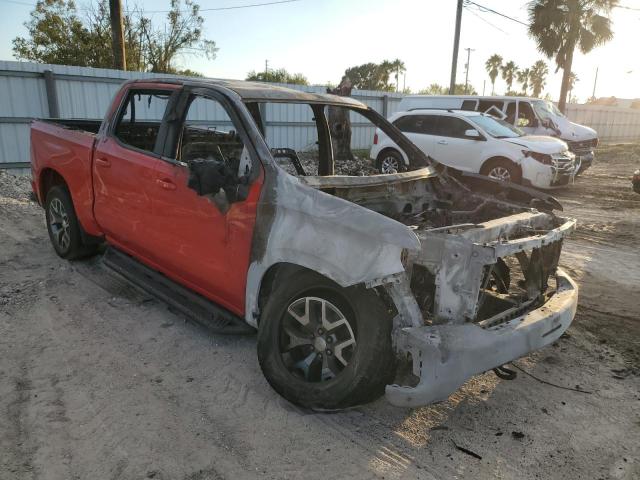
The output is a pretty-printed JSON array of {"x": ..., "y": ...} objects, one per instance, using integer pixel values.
[{"x": 343, "y": 241}]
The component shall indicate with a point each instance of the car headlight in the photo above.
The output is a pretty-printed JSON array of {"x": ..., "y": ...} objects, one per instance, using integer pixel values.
[{"x": 540, "y": 157}]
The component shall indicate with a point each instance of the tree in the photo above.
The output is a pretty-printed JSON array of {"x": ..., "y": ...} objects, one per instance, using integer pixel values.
[
  {"x": 573, "y": 78},
  {"x": 538, "y": 77},
  {"x": 373, "y": 76},
  {"x": 559, "y": 26},
  {"x": 437, "y": 89},
  {"x": 58, "y": 35},
  {"x": 493, "y": 66},
  {"x": 398, "y": 67},
  {"x": 434, "y": 89},
  {"x": 339, "y": 120},
  {"x": 278, "y": 76},
  {"x": 509, "y": 72},
  {"x": 523, "y": 77}
]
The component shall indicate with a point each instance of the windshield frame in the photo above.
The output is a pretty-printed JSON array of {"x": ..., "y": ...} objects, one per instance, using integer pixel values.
[{"x": 545, "y": 109}]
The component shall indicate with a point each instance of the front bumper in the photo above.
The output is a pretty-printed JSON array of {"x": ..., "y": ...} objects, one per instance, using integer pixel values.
[
  {"x": 583, "y": 162},
  {"x": 561, "y": 173},
  {"x": 445, "y": 356}
]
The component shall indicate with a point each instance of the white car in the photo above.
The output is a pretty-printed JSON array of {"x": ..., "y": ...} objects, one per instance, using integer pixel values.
[
  {"x": 478, "y": 143},
  {"x": 533, "y": 115}
]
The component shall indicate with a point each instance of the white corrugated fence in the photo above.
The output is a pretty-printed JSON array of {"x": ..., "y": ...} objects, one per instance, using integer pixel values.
[{"x": 32, "y": 90}]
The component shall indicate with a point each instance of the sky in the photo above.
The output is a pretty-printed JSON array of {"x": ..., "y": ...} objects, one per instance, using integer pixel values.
[{"x": 321, "y": 38}]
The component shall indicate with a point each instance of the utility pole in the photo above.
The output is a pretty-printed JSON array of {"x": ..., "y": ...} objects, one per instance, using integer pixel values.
[
  {"x": 456, "y": 44},
  {"x": 466, "y": 77},
  {"x": 266, "y": 69},
  {"x": 595, "y": 81},
  {"x": 484, "y": 84},
  {"x": 117, "y": 34}
]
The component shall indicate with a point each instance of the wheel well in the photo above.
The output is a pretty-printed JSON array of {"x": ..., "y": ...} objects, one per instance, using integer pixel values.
[
  {"x": 386, "y": 150},
  {"x": 277, "y": 273},
  {"x": 49, "y": 178},
  {"x": 492, "y": 159}
]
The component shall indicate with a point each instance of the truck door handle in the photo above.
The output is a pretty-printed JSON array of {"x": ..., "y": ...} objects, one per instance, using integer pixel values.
[
  {"x": 103, "y": 162},
  {"x": 166, "y": 184},
  {"x": 443, "y": 142}
]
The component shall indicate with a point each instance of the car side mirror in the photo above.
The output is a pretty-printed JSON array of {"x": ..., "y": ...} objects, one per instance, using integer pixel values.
[
  {"x": 472, "y": 134},
  {"x": 214, "y": 178}
]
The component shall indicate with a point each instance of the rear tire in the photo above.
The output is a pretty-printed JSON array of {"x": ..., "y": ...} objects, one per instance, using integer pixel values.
[
  {"x": 325, "y": 347},
  {"x": 502, "y": 169},
  {"x": 63, "y": 226},
  {"x": 390, "y": 161}
]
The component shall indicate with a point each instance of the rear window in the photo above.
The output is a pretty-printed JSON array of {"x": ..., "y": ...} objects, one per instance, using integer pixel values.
[{"x": 425, "y": 124}]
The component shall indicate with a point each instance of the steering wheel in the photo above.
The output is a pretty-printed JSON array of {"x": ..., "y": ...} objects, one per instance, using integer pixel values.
[{"x": 291, "y": 154}]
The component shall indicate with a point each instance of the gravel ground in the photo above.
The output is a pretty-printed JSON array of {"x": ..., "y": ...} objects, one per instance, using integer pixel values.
[{"x": 100, "y": 381}]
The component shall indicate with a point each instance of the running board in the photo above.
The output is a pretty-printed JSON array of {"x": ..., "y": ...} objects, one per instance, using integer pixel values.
[{"x": 194, "y": 306}]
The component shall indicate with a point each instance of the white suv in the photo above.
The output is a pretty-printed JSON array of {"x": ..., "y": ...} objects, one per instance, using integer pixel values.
[{"x": 478, "y": 143}]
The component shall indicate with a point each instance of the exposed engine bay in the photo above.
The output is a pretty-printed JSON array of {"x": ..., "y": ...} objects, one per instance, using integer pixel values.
[{"x": 485, "y": 258}]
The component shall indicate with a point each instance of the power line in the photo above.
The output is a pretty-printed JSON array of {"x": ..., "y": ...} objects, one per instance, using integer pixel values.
[
  {"x": 235, "y": 7},
  {"x": 485, "y": 20},
  {"x": 490, "y": 10}
]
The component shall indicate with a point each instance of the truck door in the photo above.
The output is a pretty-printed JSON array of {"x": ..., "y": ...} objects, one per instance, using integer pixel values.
[
  {"x": 203, "y": 244},
  {"x": 124, "y": 165}
]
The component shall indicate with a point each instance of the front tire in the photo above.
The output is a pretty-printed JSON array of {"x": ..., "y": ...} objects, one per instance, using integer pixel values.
[
  {"x": 63, "y": 226},
  {"x": 502, "y": 169},
  {"x": 325, "y": 347},
  {"x": 390, "y": 161}
]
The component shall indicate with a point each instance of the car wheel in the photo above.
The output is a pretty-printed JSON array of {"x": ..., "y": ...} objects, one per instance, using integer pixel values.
[
  {"x": 325, "y": 347},
  {"x": 63, "y": 225},
  {"x": 502, "y": 169},
  {"x": 390, "y": 161}
]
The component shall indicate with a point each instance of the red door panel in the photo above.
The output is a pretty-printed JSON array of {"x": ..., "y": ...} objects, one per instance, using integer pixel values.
[{"x": 196, "y": 244}]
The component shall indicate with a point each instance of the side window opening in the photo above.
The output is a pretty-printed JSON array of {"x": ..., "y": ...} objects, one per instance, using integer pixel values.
[
  {"x": 218, "y": 160},
  {"x": 484, "y": 105},
  {"x": 526, "y": 116},
  {"x": 140, "y": 118},
  {"x": 453, "y": 127},
  {"x": 469, "y": 105},
  {"x": 511, "y": 113}
]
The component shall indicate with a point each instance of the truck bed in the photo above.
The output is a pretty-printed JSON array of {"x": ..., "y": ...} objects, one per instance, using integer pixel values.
[{"x": 65, "y": 148}]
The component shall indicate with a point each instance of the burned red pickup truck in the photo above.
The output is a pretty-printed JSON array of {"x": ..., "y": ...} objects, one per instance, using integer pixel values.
[{"x": 343, "y": 276}]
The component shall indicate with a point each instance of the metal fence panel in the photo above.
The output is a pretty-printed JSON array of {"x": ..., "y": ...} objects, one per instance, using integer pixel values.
[{"x": 87, "y": 92}]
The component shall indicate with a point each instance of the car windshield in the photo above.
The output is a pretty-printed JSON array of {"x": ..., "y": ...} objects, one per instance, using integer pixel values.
[
  {"x": 546, "y": 110},
  {"x": 495, "y": 127}
]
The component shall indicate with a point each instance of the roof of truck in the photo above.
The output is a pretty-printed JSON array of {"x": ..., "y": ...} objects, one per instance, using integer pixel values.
[{"x": 261, "y": 92}]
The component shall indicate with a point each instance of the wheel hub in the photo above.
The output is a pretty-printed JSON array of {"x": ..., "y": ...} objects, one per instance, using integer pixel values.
[{"x": 317, "y": 341}]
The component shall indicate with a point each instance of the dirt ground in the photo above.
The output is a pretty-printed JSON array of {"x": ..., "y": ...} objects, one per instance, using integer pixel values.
[{"x": 98, "y": 381}]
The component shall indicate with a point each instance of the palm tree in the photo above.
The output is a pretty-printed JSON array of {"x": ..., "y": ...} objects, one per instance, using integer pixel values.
[
  {"x": 493, "y": 65},
  {"x": 573, "y": 78},
  {"x": 559, "y": 26},
  {"x": 523, "y": 78},
  {"x": 398, "y": 66},
  {"x": 538, "y": 77},
  {"x": 509, "y": 72}
]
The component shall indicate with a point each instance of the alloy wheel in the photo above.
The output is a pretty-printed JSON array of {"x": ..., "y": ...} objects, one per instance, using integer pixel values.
[
  {"x": 389, "y": 164},
  {"x": 59, "y": 224},
  {"x": 317, "y": 342},
  {"x": 500, "y": 173}
]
